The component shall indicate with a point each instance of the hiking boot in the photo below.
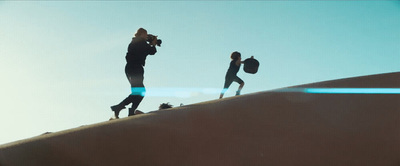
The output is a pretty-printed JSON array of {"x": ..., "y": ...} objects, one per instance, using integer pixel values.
[
  {"x": 131, "y": 112},
  {"x": 117, "y": 109}
]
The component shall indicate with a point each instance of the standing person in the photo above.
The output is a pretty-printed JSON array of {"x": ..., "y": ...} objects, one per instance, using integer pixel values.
[
  {"x": 231, "y": 74},
  {"x": 138, "y": 50}
]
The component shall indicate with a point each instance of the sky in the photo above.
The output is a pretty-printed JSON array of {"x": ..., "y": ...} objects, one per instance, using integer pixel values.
[{"x": 62, "y": 62}]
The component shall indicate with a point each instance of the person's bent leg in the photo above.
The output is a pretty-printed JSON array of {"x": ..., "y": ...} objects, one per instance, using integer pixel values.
[
  {"x": 239, "y": 89},
  {"x": 241, "y": 82},
  {"x": 135, "y": 103},
  {"x": 136, "y": 79},
  {"x": 134, "y": 75},
  {"x": 138, "y": 94}
]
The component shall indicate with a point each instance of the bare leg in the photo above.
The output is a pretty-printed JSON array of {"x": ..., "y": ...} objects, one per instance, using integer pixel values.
[{"x": 240, "y": 88}]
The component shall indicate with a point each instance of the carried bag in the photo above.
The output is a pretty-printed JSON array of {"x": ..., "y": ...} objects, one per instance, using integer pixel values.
[{"x": 251, "y": 65}]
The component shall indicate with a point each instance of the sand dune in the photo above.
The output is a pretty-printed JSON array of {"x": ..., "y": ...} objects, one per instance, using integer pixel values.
[{"x": 265, "y": 128}]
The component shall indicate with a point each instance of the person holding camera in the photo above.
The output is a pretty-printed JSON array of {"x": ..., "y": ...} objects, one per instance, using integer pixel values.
[{"x": 138, "y": 50}]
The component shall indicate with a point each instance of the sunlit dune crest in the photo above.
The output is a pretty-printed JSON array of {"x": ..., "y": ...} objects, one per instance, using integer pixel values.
[{"x": 276, "y": 127}]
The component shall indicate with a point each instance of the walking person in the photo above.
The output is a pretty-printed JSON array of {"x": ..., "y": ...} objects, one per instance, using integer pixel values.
[
  {"x": 138, "y": 50},
  {"x": 231, "y": 74}
]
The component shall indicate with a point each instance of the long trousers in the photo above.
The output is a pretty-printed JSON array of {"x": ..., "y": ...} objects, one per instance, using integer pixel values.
[{"x": 135, "y": 73}]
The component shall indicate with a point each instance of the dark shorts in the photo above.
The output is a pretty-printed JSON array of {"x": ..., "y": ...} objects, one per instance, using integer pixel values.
[{"x": 230, "y": 79}]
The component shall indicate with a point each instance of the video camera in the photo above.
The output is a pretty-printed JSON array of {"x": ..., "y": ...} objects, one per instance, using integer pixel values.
[{"x": 151, "y": 37}]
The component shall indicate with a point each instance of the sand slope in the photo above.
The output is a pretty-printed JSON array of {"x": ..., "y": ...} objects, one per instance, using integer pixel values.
[{"x": 265, "y": 128}]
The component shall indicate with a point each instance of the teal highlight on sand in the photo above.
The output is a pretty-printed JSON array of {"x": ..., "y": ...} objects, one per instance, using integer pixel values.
[
  {"x": 173, "y": 91},
  {"x": 343, "y": 90},
  {"x": 353, "y": 90}
]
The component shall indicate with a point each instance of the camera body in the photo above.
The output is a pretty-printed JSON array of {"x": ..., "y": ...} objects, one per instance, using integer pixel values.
[{"x": 151, "y": 37}]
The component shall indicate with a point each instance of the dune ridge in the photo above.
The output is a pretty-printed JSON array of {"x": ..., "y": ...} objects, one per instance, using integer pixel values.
[{"x": 263, "y": 128}]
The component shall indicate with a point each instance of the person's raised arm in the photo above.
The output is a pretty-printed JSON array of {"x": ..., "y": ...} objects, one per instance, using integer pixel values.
[{"x": 239, "y": 61}]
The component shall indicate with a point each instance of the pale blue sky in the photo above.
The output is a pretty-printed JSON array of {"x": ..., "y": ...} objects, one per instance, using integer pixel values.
[{"x": 62, "y": 63}]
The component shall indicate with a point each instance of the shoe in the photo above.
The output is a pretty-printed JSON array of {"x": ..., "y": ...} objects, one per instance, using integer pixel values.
[
  {"x": 237, "y": 93},
  {"x": 131, "y": 112},
  {"x": 117, "y": 109}
]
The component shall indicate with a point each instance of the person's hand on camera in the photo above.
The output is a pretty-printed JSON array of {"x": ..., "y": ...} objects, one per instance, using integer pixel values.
[{"x": 154, "y": 42}]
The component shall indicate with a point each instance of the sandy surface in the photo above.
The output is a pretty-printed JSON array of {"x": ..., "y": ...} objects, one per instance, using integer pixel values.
[{"x": 265, "y": 128}]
